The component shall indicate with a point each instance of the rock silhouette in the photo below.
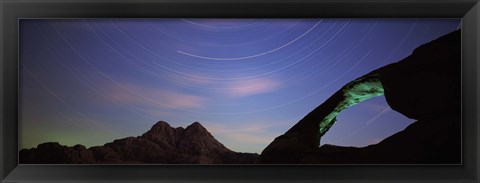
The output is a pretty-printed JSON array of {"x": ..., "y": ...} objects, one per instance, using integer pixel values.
[
  {"x": 162, "y": 144},
  {"x": 425, "y": 86}
]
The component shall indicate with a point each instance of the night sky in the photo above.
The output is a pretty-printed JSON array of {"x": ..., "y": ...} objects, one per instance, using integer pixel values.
[{"x": 90, "y": 81}]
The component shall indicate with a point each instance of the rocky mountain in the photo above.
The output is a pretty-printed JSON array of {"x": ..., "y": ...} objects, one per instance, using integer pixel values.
[
  {"x": 425, "y": 86},
  {"x": 162, "y": 144}
]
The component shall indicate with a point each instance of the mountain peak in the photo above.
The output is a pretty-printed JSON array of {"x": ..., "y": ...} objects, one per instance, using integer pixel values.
[
  {"x": 161, "y": 124},
  {"x": 160, "y": 131},
  {"x": 161, "y": 144},
  {"x": 197, "y": 126}
]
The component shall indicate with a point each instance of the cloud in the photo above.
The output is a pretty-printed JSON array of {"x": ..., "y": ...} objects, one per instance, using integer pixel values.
[
  {"x": 190, "y": 79},
  {"x": 254, "y": 86},
  {"x": 140, "y": 95}
]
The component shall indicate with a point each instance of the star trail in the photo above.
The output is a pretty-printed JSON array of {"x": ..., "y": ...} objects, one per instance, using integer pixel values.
[{"x": 90, "y": 81}]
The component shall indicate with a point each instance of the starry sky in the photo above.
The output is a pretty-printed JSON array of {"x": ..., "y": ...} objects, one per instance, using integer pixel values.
[{"x": 90, "y": 81}]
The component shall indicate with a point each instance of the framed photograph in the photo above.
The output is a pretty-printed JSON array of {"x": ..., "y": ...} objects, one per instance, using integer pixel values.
[{"x": 239, "y": 91}]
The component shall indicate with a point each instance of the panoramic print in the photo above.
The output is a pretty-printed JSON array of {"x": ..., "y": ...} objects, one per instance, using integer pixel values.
[{"x": 239, "y": 91}]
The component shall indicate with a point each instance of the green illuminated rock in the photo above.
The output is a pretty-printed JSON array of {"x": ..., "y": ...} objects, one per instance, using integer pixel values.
[
  {"x": 306, "y": 134},
  {"x": 354, "y": 92}
]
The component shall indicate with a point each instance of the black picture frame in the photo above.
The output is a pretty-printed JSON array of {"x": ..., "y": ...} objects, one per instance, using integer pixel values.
[{"x": 12, "y": 10}]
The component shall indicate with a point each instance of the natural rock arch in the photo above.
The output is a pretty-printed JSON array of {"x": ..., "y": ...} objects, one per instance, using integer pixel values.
[
  {"x": 354, "y": 92},
  {"x": 425, "y": 86}
]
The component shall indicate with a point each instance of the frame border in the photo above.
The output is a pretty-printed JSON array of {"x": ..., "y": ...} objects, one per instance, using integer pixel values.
[{"x": 12, "y": 10}]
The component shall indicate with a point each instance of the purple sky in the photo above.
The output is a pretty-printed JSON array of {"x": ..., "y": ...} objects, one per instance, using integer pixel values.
[{"x": 246, "y": 80}]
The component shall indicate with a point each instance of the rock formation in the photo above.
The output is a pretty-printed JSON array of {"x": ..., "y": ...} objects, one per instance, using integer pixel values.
[
  {"x": 162, "y": 144},
  {"x": 425, "y": 86}
]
